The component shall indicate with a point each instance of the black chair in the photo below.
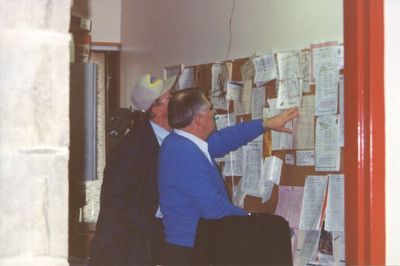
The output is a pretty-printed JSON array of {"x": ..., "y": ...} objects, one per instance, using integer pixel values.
[{"x": 261, "y": 239}]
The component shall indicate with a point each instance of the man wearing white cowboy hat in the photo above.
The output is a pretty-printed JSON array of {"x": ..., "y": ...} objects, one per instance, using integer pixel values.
[{"x": 127, "y": 232}]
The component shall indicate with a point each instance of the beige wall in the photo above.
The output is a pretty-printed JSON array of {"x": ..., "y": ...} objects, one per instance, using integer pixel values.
[
  {"x": 161, "y": 33},
  {"x": 105, "y": 16},
  {"x": 392, "y": 129}
]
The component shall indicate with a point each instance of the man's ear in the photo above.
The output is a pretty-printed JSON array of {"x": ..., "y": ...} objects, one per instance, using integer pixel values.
[{"x": 199, "y": 119}]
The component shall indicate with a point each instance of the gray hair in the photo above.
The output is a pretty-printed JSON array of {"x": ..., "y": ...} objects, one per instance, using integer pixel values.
[{"x": 184, "y": 106}]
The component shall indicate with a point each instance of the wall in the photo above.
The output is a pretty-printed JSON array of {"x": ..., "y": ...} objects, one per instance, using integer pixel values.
[
  {"x": 392, "y": 128},
  {"x": 105, "y": 16},
  {"x": 162, "y": 33}
]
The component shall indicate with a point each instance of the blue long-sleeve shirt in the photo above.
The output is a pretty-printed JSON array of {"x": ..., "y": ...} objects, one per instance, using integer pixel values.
[{"x": 190, "y": 187}]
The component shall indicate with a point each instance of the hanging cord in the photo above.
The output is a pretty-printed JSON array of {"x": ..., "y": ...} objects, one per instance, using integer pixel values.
[
  {"x": 231, "y": 156},
  {"x": 230, "y": 30}
]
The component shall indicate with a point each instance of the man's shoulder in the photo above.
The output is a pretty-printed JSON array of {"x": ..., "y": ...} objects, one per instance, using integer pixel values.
[
  {"x": 141, "y": 131},
  {"x": 174, "y": 139},
  {"x": 180, "y": 147},
  {"x": 140, "y": 137}
]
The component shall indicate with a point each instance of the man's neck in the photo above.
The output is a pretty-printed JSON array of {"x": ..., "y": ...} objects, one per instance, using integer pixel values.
[
  {"x": 192, "y": 129},
  {"x": 162, "y": 122}
]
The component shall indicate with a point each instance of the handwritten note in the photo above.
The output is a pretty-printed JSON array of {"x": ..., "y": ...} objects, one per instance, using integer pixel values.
[
  {"x": 326, "y": 94},
  {"x": 327, "y": 151},
  {"x": 220, "y": 74}
]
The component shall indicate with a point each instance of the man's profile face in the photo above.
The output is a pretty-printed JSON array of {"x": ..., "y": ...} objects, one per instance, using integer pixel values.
[{"x": 162, "y": 102}]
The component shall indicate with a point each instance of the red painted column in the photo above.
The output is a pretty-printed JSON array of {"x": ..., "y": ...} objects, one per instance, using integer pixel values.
[{"x": 364, "y": 132}]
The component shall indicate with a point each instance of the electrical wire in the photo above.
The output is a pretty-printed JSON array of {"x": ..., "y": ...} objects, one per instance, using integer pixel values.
[{"x": 230, "y": 29}]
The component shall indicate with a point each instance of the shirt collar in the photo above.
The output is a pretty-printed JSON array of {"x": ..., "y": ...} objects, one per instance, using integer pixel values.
[
  {"x": 160, "y": 132},
  {"x": 203, "y": 145}
]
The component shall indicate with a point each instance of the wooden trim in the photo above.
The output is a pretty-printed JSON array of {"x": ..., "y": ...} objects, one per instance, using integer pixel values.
[
  {"x": 364, "y": 132},
  {"x": 105, "y": 46},
  {"x": 117, "y": 44}
]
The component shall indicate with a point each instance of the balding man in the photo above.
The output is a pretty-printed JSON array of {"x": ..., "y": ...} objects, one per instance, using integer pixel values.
[{"x": 190, "y": 184}]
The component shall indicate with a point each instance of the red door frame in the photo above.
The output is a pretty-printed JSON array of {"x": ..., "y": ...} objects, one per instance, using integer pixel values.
[{"x": 364, "y": 153}]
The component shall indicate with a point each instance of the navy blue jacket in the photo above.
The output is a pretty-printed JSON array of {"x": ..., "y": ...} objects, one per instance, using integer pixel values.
[{"x": 127, "y": 233}]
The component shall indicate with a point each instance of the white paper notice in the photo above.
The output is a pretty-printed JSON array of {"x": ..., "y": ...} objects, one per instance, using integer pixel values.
[
  {"x": 234, "y": 90},
  {"x": 271, "y": 169},
  {"x": 257, "y": 102},
  {"x": 280, "y": 140},
  {"x": 289, "y": 204},
  {"x": 339, "y": 248},
  {"x": 247, "y": 69},
  {"x": 304, "y": 136},
  {"x": 326, "y": 92},
  {"x": 305, "y": 158},
  {"x": 224, "y": 120},
  {"x": 186, "y": 78},
  {"x": 305, "y": 70},
  {"x": 170, "y": 71},
  {"x": 321, "y": 54},
  {"x": 313, "y": 201},
  {"x": 243, "y": 105},
  {"x": 238, "y": 195},
  {"x": 335, "y": 206},
  {"x": 307, "y": 245},
  {"x": 290, "y": 89},
  {"x": 265, "y": 69},
  {"x": 233, "y": 166},
  {"x": 327, "y": 151},
  {"x": 252, "y": 159},
  {"x": 341, "y": 110},
  {"x": 266, "y": 188},
  {"x": 220, "y": 74},
  {"x": 340, "y": 56}
]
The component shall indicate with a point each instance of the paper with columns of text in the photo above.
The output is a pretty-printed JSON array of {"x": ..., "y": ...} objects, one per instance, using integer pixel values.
[
  {"x": 290, "y": 89},
  {"x": 304, "y": 136},
  {"x": 335, "y": 204},
  {"x": 313, "y": 202},
  {"x": 252, "y": 159},
  {"x": 327, "y": 150}
]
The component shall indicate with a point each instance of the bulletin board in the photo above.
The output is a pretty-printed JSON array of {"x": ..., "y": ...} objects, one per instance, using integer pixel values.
[{"x": 292, "y": 175}]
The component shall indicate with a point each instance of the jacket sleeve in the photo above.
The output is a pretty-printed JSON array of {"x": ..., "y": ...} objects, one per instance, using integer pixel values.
[{"x": 229, "y": 139}]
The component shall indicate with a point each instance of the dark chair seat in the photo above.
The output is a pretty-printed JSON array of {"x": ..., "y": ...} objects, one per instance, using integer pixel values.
[{"x": 261, "y": 239}]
